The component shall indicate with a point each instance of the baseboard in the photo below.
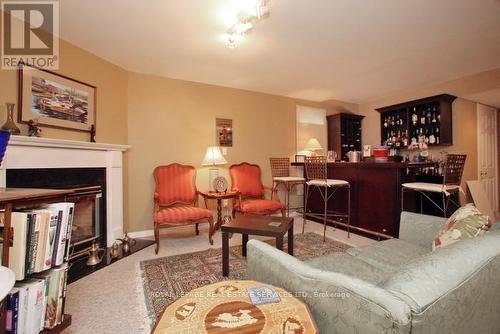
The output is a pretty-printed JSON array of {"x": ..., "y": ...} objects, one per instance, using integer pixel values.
[{"x": 141, "y": 234}]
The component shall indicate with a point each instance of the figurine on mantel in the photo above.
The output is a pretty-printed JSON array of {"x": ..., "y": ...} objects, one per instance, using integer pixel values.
[{"x": 33, "y": 129}]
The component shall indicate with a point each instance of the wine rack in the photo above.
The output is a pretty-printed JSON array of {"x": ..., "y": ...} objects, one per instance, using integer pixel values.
[
  {"x": 427, "y": 120},
  {"x": 344, "y": 133}
]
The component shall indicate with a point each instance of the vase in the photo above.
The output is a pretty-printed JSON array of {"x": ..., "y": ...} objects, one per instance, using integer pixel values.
[{"x": 9, "y": 124}]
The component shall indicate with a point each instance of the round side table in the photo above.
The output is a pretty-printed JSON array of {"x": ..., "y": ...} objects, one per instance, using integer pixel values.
[{"x": 219, "y": 196}]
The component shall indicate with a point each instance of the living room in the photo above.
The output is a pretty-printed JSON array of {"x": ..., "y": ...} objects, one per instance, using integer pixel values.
[{"x": 357, "y": 128}]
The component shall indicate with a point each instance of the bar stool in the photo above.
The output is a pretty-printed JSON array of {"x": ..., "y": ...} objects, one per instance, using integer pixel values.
[
  {"x": 280, "y": 171},
  {"x": 453, "y": 170},
  {"x": 317, "y": 178}
]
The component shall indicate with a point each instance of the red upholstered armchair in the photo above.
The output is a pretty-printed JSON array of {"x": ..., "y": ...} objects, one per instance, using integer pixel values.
[
  {"x": 176, "y": 200},
  {"x": 246, "y": 178}
]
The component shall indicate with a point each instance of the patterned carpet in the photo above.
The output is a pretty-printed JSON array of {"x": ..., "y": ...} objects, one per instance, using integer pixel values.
[{"x": 166, "y": 279}]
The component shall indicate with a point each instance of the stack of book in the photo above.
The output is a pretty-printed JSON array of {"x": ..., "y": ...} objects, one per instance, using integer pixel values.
[{"x": 38, "y": 257}]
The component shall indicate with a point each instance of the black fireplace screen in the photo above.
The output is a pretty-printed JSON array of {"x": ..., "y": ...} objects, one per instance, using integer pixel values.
[{"x": 89, "y": 221}]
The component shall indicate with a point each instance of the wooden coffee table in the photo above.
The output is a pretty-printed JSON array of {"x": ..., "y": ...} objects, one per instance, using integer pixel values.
[
  {"x": 255, "y": 225},
  {"x": 225, "y": 307}
]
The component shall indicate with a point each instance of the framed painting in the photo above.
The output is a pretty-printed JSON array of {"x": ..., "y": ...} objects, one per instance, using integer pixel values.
[
  {"x": 224, "y": 128},
  {"x": 55, "y": 100}
]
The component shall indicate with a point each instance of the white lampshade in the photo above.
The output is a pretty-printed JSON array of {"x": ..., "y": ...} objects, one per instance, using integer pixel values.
[
  {"x": 213, "y": 157},
  {"x": 313, "y": 145}
]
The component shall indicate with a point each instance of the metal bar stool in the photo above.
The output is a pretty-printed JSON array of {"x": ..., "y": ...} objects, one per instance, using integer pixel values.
[
  {"x": 453, "y": 170},
  {"x": 317, "y": 178},
  {"x": 280, "y": 171}
]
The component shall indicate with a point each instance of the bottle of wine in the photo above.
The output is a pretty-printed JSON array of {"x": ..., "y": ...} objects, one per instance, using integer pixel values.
[{"x": 414, "y": 117}]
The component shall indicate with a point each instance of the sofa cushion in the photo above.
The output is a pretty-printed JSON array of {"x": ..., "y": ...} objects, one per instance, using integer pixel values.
[
  {"x": 466, "y": 222},
  {"x": 349, "y": 265},
  {"x": 388, "y": 254},
  {"x": 427, "y": 279}
]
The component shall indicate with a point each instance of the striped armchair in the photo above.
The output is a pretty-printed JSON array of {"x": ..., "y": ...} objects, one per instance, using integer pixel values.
[
  {"x": 246, "y": 179},
  {"x": 176, "y": 200}
]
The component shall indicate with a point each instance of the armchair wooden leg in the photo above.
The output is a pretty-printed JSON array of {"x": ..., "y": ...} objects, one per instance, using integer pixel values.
[
  {"x": 197, "y": 229},
  {"x": 211, "y": 230},
  {"x": 157, "y": 239},
  {"x": 234, "y": 213}
]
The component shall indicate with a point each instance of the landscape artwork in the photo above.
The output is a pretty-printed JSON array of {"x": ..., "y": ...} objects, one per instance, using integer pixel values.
[
  {"x": 55, "y": 100},
  {"x": 50, "y": 99}
]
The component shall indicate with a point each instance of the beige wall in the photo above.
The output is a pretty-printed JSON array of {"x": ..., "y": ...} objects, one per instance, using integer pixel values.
[
  {"x": 111, "y": 83},
  {"x": 174, "y": 121}
]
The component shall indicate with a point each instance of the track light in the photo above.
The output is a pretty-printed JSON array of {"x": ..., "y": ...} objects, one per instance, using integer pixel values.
[{"x": 246, "y": 21}]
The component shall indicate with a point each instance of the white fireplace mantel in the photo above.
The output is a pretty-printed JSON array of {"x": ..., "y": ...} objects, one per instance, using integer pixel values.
[{"x": 32, "y": 152}]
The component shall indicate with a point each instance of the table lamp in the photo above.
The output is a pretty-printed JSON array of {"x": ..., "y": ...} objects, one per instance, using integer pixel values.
[
  {"x": 213, "y": 157},
  {"x": 312, "y": 146}
]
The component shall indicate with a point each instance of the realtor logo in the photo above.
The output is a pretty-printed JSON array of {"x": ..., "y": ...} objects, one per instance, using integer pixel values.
[{"x": 29, "y": 34}]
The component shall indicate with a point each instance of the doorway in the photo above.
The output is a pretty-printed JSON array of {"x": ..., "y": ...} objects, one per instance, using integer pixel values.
[{"x": 487, "y": 149}]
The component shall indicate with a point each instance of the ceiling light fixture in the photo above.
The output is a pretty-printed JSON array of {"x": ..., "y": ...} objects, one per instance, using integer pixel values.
[{"x": 246, "y": 19}]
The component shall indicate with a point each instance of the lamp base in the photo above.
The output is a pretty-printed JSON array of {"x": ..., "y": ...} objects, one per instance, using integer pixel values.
[{"x": 212, "y": 174}]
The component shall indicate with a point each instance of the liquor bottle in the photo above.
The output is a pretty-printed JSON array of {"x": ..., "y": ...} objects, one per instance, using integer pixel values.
[
  {"x": 405, "y": 138},
  {"x": 386, "y": 123},
  {"x": 414, "y": 117},
  {"x": 429, "y": 116},
  {"x": 422, "y": 118}
]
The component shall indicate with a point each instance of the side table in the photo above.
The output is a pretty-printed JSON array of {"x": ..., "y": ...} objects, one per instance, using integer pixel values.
[{"x": 219, "y": 196}]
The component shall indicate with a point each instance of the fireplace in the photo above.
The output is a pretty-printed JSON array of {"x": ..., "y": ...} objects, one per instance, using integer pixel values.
[
  {"x": 32, "y": 153},
  {"x": 89, "y": 220}
]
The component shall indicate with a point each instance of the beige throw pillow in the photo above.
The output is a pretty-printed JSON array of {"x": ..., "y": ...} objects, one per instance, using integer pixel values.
[{"x": 466, "y": 222}]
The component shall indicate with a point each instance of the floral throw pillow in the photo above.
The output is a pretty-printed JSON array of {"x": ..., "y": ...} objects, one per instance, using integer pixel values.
[{"x": 466, "y": 222}]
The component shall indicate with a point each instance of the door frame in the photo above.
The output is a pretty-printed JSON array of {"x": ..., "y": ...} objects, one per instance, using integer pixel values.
[{"x": 496, "y": 207}]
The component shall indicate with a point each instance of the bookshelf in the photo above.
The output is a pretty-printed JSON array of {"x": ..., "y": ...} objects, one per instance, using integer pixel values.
[{"x": 16, "y": 198}]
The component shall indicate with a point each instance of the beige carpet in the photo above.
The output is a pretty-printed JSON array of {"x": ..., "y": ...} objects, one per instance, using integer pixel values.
[{"x": 109, "y": 301}]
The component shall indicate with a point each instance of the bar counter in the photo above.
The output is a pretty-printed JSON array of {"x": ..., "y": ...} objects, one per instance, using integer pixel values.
[{"x": 375, "y": 194}]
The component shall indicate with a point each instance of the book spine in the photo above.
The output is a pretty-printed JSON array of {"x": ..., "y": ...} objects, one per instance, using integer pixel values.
[
  {"x": 68, "y": 233},
  {"x": 12, "y": 313},
  {"x": 29, "y": 242},
  {"x": 62, "y": 303},
  {"x": 50, "y": 241},
  {"x": 35, "y": 236},
  {"x": 55, "y": 250}
]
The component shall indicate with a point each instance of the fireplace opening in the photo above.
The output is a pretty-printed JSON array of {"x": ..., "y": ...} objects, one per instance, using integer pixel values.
[{"x": 89, "y": 218}]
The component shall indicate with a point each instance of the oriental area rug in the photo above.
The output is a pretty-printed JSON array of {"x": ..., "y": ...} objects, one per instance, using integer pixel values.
[{"x": 168, "y": 278}]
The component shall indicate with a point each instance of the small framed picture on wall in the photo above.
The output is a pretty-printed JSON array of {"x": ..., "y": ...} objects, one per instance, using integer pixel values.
[{"x": 224, "y": 130}]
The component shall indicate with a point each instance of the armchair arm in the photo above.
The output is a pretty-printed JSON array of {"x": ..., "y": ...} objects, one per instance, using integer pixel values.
[
  {"x": 156, "y": 204},
  {"x": 419, "y": 229},
  {"x": 339, "y": 303},
  {"x": 272, "y": 190},
  {"x": 199, "y": 193}
]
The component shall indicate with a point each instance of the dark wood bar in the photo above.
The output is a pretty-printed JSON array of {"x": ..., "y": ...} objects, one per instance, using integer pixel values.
[{"x": 375, "y": 194}]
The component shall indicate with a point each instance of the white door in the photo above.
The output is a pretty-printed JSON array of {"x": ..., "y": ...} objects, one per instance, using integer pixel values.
[{"x": 487, "y": 152}]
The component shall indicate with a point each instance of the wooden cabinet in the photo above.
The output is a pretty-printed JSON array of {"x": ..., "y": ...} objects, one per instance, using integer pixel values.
[
  {"x": 344, "y": 133},
  {"x": 426, "y": 120}
]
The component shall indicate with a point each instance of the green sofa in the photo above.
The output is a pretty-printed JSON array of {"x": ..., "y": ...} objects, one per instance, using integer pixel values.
[{"x": 396, "y": 285}]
